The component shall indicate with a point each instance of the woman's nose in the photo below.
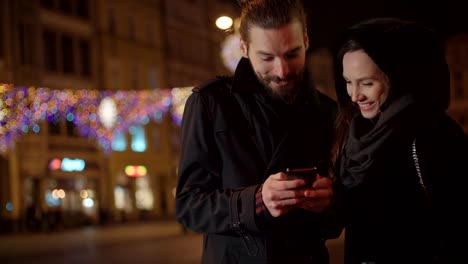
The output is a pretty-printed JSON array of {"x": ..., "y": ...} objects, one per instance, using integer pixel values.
[{"x": 355, "y": 93}]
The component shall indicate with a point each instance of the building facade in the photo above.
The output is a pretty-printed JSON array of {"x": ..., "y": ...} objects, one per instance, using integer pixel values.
[
  {"x": 53, "y": 177},
  {"x": 457, "y": 57}
]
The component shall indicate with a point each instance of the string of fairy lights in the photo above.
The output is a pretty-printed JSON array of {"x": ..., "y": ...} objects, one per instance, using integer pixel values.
[{"x": 98, "y": 115}]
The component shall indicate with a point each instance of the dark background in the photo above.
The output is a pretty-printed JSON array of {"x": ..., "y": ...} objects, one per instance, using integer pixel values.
[{"x": 326, "y": 19}]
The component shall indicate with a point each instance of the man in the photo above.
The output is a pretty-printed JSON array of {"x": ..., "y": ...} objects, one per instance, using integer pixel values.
[{"x": 240, "y": 134}]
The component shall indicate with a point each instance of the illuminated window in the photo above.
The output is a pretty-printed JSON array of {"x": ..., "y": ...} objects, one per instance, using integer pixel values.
[
  {"x": 138, "y": 138},
  {"x": 119, "y": 143},
  {"x": 143, "y": 195}
]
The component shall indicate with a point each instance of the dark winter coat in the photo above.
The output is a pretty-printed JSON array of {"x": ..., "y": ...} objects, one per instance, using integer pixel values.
[
  {"x": 402, "y": 178},
  {"x": 233, "y": 137}
]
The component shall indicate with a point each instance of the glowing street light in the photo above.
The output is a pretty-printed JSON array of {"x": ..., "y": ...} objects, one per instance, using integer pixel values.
[{"x": 224, "y": 22}]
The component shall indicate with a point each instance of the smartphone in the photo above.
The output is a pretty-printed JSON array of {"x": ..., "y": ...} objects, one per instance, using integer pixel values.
[{"x": 307, "y": 174}]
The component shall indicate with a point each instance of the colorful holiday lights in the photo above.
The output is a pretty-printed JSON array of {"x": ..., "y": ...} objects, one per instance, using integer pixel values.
[{"x": 97, "y": 114}]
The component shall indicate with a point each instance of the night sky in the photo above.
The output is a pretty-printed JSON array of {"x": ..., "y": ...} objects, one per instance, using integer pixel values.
[{"x": 326, "y": 19}]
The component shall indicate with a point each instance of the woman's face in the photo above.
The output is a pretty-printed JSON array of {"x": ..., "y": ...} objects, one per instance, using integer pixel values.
[{"x": 366, "y": 84}]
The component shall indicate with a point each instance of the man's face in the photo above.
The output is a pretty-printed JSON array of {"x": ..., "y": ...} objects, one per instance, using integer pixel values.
[{"x": 278, "y": 57}]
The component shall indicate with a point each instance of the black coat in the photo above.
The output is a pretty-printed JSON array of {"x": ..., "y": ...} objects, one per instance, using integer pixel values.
[
  {"x": 233, "y": 137},
  {"x": 395, "y": 217},
  {"x": 403, "y": 203}
]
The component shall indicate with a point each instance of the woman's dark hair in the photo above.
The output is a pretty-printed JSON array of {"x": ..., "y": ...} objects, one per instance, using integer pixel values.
[
  {"x": 412, "y": 57},
  {"x": 347, "y": 110},
  {"x": 270, "y": 14}
]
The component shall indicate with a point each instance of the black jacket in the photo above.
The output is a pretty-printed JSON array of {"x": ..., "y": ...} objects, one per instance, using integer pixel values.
[
  {"x": 403, "y": 194},
  {"x": 233, "y": 137}
]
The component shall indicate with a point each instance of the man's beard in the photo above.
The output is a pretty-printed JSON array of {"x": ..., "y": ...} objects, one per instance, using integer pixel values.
[{"x": 286, "y": 93}]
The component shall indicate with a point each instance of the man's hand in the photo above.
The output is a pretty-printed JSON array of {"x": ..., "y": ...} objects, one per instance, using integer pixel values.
[
  {"x": 280, "y": 195},
  {"x": 319, "y": 196}
]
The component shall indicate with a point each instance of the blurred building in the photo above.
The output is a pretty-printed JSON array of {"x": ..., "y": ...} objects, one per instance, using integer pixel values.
[
  {"x": 192, "y": 54},
  {"x": 50, "y": 43},
  {"x": 320, "y": 63},
  {"x": 53, "y": 178},
  {"x": 192, "y": 40},
  {"x": 457, "y": 57}
]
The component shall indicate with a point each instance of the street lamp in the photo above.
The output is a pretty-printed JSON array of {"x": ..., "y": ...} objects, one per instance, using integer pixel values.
[{"x": 224, "y": 22}]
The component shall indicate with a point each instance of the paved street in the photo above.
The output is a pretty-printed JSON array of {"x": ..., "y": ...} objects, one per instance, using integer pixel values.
[{"x": 153, "y": 242}]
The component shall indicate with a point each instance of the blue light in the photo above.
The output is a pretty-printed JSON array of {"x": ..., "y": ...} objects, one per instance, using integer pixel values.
[
  {"x": 70, "y": 117},
  {"x": 36, "y": 128},
  {"x": 73, "y": 164},
  {"x": 9, "y": 206},
  {"x": 158, "y": 116},
  {"x": 138, "y": 138},
  {"x": 50, "y": 200},
  {"x": 119, "y": 143}
]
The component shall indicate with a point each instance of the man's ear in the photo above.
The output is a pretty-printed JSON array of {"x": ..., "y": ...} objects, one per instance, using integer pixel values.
[
  {"x": 306, "y": 41},
  {"x": 244, "y": 47}
]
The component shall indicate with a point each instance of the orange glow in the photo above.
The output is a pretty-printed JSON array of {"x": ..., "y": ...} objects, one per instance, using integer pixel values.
[{"x": 136, "y": 170}]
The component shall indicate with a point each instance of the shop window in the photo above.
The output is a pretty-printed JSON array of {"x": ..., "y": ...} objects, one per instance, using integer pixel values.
[
  {"x": 143, "y": 194},
  {"x": 122, "y": 199}
]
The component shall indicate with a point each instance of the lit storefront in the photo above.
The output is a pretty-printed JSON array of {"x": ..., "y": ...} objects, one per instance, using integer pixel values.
[
  {"x": 133, "y": 194},
  {"x": 66, "y": 196}
]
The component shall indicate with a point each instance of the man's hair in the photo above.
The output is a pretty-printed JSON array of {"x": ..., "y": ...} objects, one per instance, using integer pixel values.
[{"x": 270, "y": 14}]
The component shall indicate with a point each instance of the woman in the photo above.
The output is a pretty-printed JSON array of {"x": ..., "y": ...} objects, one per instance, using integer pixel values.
[{"x": 399, "y": 158}]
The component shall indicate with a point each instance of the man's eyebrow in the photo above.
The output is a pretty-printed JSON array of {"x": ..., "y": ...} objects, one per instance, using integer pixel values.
[
  {"x": 264, "y": 53},
  {"x": 293, "y": 50}
]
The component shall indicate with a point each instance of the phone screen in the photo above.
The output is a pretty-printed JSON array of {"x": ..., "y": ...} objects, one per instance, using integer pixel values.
[{"x": 307, "y": 174}]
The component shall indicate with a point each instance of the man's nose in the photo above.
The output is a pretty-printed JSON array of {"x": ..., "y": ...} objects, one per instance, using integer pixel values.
[{"x": 281, "y": 68}]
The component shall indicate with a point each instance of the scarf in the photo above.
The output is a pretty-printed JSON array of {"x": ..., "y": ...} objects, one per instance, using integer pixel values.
[{"x": 366, "y": 139}]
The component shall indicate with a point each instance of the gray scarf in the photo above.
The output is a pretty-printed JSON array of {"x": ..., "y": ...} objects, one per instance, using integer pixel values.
[{"x": 366, "y": 139}]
